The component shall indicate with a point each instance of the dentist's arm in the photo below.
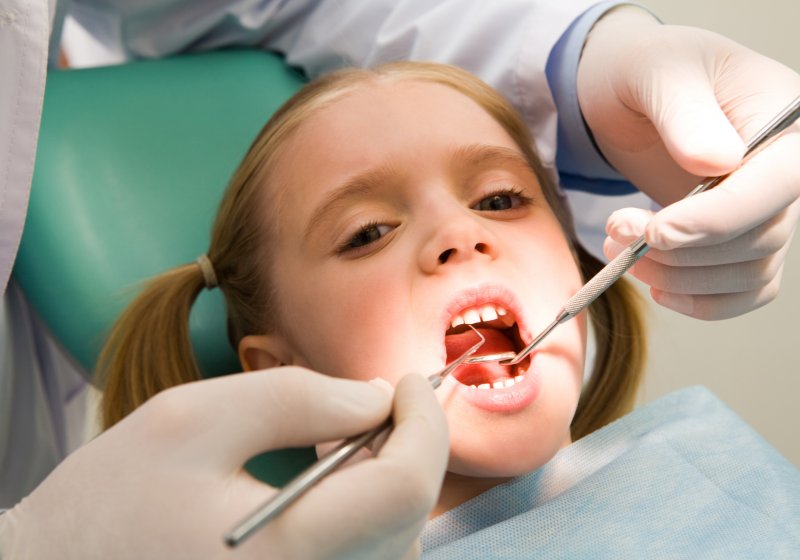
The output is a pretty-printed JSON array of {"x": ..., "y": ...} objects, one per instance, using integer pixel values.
[
  {"x": 504, "y": 42},
  {"x": 168, "y": 481},
  {"x": 668, "y": 105}
]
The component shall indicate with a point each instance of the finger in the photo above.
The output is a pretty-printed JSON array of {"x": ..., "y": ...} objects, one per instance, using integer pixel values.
[
  {"x": 755, "y": 244},
  {"x": 705, "y": 280},
  {"x": 691, "y": 124},
  {"x": 233, "y": 418},
  {"x": 417, "y": 411},
  {"x": 716, "y": 307},
  {"x": 390, "y": 494},
  {"x": 765, "y": 185}
]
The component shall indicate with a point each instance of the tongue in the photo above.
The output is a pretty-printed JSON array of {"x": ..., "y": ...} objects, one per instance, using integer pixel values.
[
  {"x": 496, "y": 342},
  {"x": 476, "y": 374}
]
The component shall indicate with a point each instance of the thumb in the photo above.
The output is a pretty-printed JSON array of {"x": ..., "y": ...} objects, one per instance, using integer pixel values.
[
  {"x": 693, "y": 127},
  {"x": 627, "y": 224}
]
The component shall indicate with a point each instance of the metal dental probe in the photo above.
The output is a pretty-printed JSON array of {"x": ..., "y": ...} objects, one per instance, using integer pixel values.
[
  {"x": 631, "y": 254},
  {"x": 316, "y": 472}
]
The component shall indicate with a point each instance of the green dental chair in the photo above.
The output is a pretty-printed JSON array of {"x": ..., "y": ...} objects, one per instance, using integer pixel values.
[{"x": 131, "y": 165}]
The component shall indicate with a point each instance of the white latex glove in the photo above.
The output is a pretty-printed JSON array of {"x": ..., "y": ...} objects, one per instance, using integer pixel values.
[
  {"x": 667, "y": 106},
  {"x": 168, "y": 481}
]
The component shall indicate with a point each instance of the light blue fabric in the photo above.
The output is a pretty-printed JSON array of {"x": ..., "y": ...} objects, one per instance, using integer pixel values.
[{"x": 683, "y": 477}]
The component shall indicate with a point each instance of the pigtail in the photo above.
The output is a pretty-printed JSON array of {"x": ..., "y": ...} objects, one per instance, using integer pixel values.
[
  {"x": 149, "y": 349},
  {"x": 621, "y": 353}
]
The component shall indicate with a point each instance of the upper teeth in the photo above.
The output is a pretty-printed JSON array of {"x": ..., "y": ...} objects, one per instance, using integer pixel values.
[{"x": 482, "y": 314}]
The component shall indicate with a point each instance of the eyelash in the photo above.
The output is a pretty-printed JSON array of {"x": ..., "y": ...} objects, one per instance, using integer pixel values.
[
  {"x": 524, "y": 200},
  {"x": 347, "y": 246}
]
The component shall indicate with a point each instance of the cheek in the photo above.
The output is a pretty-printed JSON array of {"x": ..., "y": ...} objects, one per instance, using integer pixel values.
[
  {"x": 546, "y": 260},
  {"x": 339, "y": 319},
  {"x": 555, "y": 246}
]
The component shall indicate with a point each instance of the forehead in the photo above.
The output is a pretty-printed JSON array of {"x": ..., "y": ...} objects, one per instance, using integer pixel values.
[{"x": 403, "y": 123}]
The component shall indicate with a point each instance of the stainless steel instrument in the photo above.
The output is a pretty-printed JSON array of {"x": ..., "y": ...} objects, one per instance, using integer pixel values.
[
  {"x": 631, "y": 254},
  {"x": 316, "y": 472}
]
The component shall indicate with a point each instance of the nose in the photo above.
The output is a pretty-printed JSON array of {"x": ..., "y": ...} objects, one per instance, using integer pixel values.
[{"x": 457, "y": 240}]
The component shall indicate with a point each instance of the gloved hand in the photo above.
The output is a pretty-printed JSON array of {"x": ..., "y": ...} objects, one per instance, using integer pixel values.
[
  {"x": 167, "y": 481},
  {"x": 668, "y": 106}
]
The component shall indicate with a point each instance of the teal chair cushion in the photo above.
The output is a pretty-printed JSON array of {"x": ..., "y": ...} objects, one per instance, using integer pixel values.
[{"x": 131, "y": 165}]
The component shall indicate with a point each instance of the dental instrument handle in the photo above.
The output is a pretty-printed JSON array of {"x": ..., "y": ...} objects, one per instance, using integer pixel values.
[
  {"x": 319, "y": 470},
  {"x": 612, "y": 272},
  {"x": 590, "y": 291},
  {"x": 632, "y": 253},
  {"x": 300, "y": 484}
]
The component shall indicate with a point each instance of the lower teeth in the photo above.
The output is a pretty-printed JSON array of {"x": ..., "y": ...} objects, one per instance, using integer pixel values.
[{"x": 500, "y": 384}]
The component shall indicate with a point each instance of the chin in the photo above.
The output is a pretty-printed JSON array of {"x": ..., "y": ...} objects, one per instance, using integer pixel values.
[{"x": 489, "y": 455}]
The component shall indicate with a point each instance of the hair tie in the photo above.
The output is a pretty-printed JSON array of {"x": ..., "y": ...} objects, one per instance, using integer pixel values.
[{"x": 207, "y": 269}]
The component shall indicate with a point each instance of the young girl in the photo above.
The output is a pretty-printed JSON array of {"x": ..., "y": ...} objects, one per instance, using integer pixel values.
[{"x": 376, "y": 214}]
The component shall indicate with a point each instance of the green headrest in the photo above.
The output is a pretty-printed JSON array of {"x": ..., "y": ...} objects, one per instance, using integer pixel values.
[{"x": 131, "y": 165}]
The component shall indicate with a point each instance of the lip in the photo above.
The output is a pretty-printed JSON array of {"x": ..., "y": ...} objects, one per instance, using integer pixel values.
[{"x": 504, "y": 400}]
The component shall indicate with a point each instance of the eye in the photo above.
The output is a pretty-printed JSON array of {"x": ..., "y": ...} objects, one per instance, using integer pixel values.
[
  {"x": 366, "y": 235},
  {"x": 506, "y": 199}
]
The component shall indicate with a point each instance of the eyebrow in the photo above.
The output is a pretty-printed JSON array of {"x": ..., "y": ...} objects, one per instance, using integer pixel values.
[
  {"x": 366, "y": 184},
  {"x": 483, "y": 155},
  {"x": 359, "y": 187}
]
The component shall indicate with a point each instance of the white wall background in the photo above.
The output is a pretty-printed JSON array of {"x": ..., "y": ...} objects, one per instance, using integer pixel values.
[{"x": 752, "y": 362}]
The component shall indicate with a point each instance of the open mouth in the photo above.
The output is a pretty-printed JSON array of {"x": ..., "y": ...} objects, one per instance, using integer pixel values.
[{"x": 499, "y": 326}]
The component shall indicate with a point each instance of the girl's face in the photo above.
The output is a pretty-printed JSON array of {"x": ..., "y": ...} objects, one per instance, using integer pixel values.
[{"x": 403, "y": 209}]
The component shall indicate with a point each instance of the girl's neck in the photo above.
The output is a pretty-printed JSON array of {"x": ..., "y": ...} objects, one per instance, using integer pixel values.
[{"x": 457, "y": 489}]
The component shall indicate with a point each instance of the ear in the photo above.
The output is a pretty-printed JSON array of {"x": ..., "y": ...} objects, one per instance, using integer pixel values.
[{"x": 263, "y": 351}]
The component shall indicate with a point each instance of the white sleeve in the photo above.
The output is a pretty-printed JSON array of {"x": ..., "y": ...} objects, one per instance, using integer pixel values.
[
  {"x": 41, "y": 398},
  {"x": 24, "y": 32},
  {"x": 505, "y": 42}
]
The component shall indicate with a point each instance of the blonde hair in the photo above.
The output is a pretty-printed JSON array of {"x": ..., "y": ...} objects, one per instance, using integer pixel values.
[{"x": 149, "y": 349}]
